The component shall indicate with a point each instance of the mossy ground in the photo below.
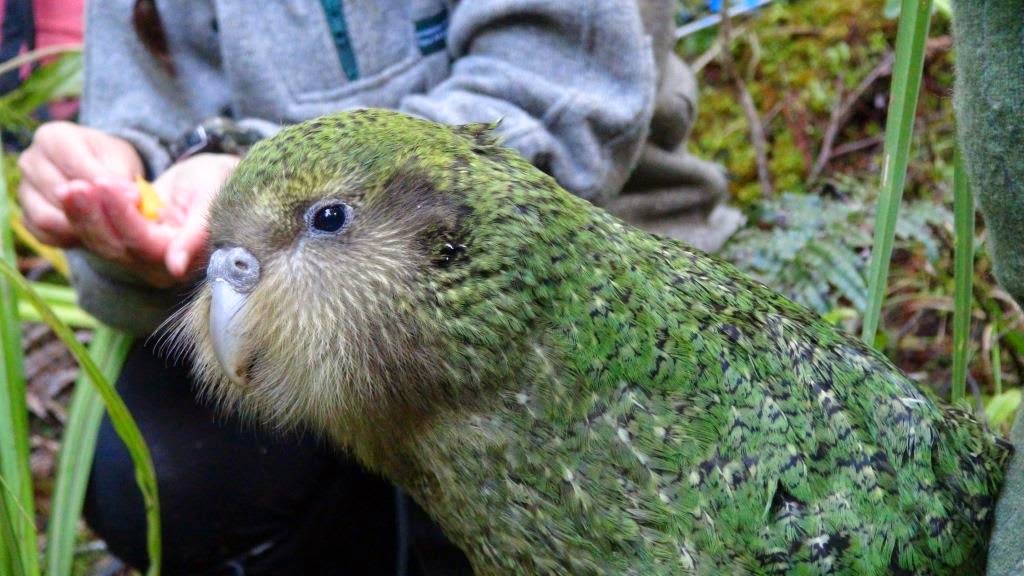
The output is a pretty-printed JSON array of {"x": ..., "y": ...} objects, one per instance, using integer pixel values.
[{"x": 801, "y": 61}]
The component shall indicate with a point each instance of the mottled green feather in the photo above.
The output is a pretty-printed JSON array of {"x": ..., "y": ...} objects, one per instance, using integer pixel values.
[{"x": 566, "y": 394}]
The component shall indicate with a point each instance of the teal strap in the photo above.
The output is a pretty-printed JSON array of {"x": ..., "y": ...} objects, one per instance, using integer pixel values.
[
  {"x": 431, "y": 32},
  {"x": 339, "y": 30}
]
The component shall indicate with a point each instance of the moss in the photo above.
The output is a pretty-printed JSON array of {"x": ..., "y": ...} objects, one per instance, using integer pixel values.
[
  {"x": 788, "y": 163},
  {"x": 800, "y": 60}
]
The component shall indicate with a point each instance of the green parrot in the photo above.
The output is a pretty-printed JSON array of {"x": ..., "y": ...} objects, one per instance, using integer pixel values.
[{"x": 563, "y": 393}]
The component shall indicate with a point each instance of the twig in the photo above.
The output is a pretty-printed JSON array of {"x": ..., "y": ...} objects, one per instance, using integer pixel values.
[
  {"x": 713, "y": 52},
  {"x": 796, "y": 121},
  {"x": 842, "y": 113},
  {"x": 772, "y": 114},
  {"x": 988, "y": 339},
  {"x": 38, "y": 54},
  {"x": 907, "y": 327},
  {"x": 757, "y": 137},
  {"x": 749, "y": 108},
  {"x": 856, "y": 146},
  {"x": 979, "y": 405}
]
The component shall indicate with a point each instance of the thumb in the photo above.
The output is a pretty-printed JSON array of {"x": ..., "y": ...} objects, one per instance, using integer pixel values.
[{"x": 188, "y": 248}]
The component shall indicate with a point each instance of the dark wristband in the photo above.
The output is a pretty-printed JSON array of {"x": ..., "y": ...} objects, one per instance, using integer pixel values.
[{"x": 217, "y": 135}]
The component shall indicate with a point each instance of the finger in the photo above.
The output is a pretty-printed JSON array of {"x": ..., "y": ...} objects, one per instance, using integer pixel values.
[
  {"x": 79, "y": 162},
  {"x": 168, "y": 188},
  {"x": 188, "y": 249},
  {"x": 83, "y": 206},
  {"x": 42, "y": 176},
  {"x": 142, "y": 238},
  {"x": 71, "y": 154},
  {"x": 45, "y": 221},
  {"x": 120, "y": 160}
]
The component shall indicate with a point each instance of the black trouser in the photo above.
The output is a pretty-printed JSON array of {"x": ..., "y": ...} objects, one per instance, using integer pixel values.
[{"x": 237, "y": 500}]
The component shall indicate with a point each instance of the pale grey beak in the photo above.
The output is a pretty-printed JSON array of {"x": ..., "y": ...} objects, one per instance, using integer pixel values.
[{"x": 232, "y": 274}]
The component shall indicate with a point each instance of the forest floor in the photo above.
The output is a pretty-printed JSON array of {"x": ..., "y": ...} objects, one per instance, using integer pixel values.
[{"x": 818, "y": 75}]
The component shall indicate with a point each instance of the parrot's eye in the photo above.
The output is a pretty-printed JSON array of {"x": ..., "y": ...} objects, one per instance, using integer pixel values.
[{"x": 329, "y": 218}]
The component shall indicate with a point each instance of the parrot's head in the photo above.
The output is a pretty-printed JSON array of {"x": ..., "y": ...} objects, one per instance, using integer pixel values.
[{"x": 366, "y": 266}]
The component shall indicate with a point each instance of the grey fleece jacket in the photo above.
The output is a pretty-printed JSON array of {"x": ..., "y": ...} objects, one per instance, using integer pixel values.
[{"x": 573, "y": 82}]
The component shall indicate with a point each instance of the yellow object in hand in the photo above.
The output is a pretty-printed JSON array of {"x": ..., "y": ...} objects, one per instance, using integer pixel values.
[{"x": 149, "y": 201}]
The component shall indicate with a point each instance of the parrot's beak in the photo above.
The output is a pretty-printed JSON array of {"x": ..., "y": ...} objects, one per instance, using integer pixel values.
[{"x": 232, "y": 274}]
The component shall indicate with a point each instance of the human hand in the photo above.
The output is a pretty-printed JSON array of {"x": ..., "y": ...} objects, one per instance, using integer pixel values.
[
  {"x": 105, "y": 215},
  {"x": 62, "y": 152},
  {"x": 187, "y": 189}
]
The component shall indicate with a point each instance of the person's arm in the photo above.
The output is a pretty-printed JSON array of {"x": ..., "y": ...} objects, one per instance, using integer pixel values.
[
  {"x": 989, "y": 96},
  {"x": 572, "y": 82},
  {"x": 990, "y": 115},
  {"x": 129, "y": 95}
]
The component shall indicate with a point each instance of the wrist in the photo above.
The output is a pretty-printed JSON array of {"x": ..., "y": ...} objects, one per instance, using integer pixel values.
[{"x": 217, "y": 135}]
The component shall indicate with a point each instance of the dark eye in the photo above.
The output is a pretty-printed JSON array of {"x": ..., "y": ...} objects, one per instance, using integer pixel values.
[{"x": 330, "y": 218}]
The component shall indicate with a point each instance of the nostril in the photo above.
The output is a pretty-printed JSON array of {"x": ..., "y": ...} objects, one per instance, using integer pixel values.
[
  {"x": 237, "y": 266},
  {"x": 241, "y": 262}
]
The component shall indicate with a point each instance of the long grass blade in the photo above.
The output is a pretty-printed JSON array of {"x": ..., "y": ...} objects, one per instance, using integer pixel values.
[
  {"x": 61, "y": 78},
  {"x": 122, "y": 420},
  {"x": 73, "y": 316},
  {"x": 14, "y": 450},
  {"x": 915, "y": 16},
  {"x": 64, "y": 303},
  {"x": 55, "y": 294},
  {"x": 10, "y": 553},
  {"x": 38, "y": 54},
  {"x": 52, "y": 255},
  {"x": 108, "y": 349},
  {"x": 963, "y": 263}
]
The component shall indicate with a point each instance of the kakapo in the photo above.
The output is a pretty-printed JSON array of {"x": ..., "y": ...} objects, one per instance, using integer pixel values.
[{"x": 563, "y": 393}]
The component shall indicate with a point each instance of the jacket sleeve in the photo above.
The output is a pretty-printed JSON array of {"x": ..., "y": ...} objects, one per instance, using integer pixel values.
[
  {"x": 989, "y": 42},
  {"x": 128, "y": 94},
  {"x": 572, "y": 82}
]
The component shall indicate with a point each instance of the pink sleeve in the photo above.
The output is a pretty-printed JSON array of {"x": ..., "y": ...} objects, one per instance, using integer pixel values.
[{"x": 57, "y": 21}]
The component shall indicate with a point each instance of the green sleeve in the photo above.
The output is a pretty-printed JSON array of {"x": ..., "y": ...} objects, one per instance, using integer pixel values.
[
  {"x": 990, "y": 113},
  {"x": 989, "y": 36}
]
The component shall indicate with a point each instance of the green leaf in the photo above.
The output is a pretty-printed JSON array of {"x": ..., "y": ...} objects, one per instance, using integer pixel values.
[
  {"x": 808, "y": 247},
  {"x": 63, "y": 301},
  {"x": 73, "y": 316},
  {"x": 1015, "y": 339},
  {"x": 20, "y": 544},
  {"x": 108, "y": 349},
  {"x": 963, "y": 210},
  {"x": 911, "y": 36},
  {"x": 55, "y": 294},
  {"x": 837, "y": 315},
  {"x": 10, "y": 551},
  {"x": 892, "y": 8},
  {"x": 122, "y": 420},
  {"x": 56, "y": 80},
  {"x": 1001, "y": 407}
]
